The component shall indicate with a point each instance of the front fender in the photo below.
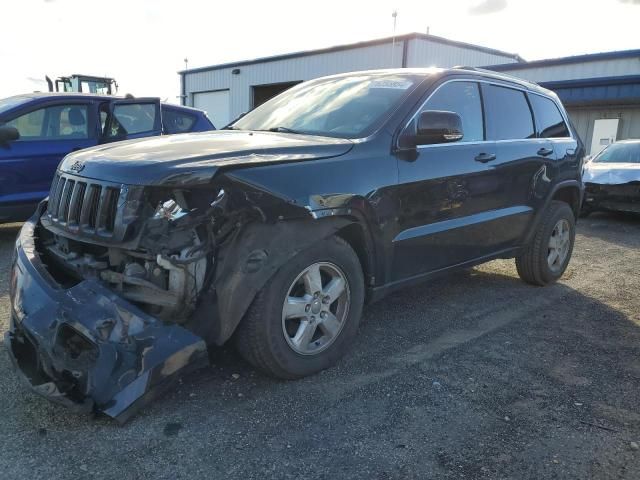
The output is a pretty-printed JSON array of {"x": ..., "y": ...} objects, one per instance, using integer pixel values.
[{"x": 245, "y": 265}]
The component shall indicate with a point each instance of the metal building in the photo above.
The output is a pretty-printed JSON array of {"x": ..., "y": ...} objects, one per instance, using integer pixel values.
[
  {"x": 601, "y": 92},
  {"x": 225, "y": 91}
]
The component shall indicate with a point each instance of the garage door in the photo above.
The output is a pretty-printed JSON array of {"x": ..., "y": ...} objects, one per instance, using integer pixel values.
[{"x": 216, "y": 104}]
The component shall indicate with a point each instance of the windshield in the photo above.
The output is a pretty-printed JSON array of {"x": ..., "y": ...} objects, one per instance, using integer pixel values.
[
  {"x": 7, "y": 104},
  {"x": 620, "y": 153},
  {"x": 349, "y": 107}
]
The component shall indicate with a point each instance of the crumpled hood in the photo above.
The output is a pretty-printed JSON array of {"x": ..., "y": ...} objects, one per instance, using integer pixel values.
[
  {"x": 606, "y": 173},
  {"x": 195, "y": 157}
]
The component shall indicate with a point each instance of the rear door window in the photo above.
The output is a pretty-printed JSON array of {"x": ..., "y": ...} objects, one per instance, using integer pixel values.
[
  {"x": 508, "y": 114},
  {"x": 548, "y": 118}
]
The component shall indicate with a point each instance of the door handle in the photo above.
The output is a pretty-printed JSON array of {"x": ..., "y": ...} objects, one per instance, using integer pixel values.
[
  {"x": 485, "y": 157},
  {"x": 543, "y": 152}
]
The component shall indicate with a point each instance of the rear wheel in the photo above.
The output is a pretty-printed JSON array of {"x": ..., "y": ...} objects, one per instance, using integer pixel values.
[
  {"x": 305, "y": 318},
  {"x": 545, "y": 259}
]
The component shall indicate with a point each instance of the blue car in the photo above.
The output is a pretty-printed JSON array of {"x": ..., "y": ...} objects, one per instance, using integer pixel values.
[{"x": 37, "y": 130}]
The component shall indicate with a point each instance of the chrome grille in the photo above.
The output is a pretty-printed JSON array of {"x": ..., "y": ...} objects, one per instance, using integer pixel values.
[{"x": 83, "y": 204}]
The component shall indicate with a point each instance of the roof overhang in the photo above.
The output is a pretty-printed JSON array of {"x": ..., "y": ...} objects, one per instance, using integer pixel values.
[
  {"x": 378, "y": 41},
  {"x": 560, "y": 61},
  {"x": 622, "y": 90}
]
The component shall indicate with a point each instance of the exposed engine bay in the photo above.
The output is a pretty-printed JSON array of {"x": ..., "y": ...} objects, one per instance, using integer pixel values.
[
  {"x": 170, "y": 256},
  {"x": 163, "y": 277}
]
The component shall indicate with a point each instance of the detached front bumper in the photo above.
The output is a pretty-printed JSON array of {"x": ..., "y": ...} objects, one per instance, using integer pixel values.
[{"x": 87, "y": 348}]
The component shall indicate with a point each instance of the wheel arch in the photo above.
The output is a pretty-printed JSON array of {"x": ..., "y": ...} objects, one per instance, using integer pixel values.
[
  {"x": 253, "y": 256},
  {"x": 570, "y": 194},
  {"x": 359, "y": 238},
  {"x": 568, "y": 191}
]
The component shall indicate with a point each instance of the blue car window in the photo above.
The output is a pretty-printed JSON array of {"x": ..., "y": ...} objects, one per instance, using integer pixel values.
[
  {"x": 177, "y": 122},
  {"x": 130, "y": 119},
  {"x": 58, "y": 122}
]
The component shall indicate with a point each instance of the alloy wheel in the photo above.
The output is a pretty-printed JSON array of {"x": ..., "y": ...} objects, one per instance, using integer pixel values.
[
  {"x": 315, "y": 308},
  {"x": 559, "y": 243}
]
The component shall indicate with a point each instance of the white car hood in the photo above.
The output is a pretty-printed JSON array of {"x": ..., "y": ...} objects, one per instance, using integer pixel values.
[{"x": 611, "y": 173}]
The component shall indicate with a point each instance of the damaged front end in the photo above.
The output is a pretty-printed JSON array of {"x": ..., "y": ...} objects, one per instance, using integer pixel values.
[
  {"x": 84, "y": 346},
  {"x": 116, "y": 290},
  {"x": 103, "y": 281}
]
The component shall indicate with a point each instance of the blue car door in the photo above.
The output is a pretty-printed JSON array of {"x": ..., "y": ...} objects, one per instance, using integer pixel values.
[
  {"x": 130, "y": 118},
  {"x": 47, "y": 133}
]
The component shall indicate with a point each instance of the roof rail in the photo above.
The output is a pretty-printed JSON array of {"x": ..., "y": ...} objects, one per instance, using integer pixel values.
[{"x": 495, "y": 74}]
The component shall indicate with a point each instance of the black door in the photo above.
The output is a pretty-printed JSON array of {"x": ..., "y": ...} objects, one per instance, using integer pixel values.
[
  {"x": 452, "y": 195},
  {"x": 526, "y": 159},
  {"x": 130, "y": 118},
  {"x": 551, "y": 126}
]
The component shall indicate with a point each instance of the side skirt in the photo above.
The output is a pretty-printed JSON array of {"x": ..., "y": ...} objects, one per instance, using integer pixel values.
[{"x": 376, "y": 293}]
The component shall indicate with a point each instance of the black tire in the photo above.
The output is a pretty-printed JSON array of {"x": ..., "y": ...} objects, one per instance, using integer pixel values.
[
  {"x": 260, "y": 338},
  {"x": 532, "y": 264}
]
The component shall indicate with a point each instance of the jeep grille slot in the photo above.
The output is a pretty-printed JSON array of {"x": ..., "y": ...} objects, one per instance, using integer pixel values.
[
  {"x": 76, "y": 203},
  {"x": 56, "y": 193},
  {"x": 53, "y": 194},
  {"x": 91, "y": 205},
  {"x": 66, "y": 199},
  {"x": 111, "y": 207},
  {"x": 82, "y": 205}
]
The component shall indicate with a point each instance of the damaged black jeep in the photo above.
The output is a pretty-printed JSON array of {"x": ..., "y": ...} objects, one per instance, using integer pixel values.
[{"x": 275, "y": 231}]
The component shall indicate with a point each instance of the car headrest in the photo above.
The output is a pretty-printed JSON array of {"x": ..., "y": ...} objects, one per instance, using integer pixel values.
[{"x": 76, "y": 117}]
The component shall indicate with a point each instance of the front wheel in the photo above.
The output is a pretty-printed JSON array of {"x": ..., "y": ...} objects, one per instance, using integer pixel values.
[
  {"x": 305, "y": 318},
  {"x": 545, "y": 259}
]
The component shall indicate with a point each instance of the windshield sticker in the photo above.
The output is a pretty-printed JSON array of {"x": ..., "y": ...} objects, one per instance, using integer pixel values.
[{"x": 388, "y": 83}]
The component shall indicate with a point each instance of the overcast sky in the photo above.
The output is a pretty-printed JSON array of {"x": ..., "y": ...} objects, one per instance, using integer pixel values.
[{"x": 142, "y": 43}]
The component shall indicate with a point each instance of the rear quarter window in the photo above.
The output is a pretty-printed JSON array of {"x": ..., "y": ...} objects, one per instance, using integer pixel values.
[
  {"x": 176, "y": 121},
  {"x": 548, "y": 118}
]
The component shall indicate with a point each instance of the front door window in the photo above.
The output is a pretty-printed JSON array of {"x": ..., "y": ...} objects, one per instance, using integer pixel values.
[{"x": 56, "y": 122}]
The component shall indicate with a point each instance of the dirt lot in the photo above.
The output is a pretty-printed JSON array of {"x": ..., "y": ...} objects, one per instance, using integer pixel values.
[{"x": 474, "y": 376}]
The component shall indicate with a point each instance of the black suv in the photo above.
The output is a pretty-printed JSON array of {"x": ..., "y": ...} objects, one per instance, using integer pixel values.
[{"x": 276, "y": 230}]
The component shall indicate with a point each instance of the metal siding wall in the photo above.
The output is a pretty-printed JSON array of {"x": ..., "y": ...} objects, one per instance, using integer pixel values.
[
  {"x": 318, "y": 65},
  {"x": 294, "y": 69},
  {"x": 602, "y": 68},
  {"x": 584, "y": 117},
  {"x": 423, "y": 53}
]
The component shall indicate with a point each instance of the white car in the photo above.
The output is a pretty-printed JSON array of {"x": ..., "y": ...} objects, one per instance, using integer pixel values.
[{"x": 612, "y": 179}]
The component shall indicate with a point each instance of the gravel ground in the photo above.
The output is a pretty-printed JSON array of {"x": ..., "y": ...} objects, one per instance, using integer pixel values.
[{"x": 473, "y": 376}]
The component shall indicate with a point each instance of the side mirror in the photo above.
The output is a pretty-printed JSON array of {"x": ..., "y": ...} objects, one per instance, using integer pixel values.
[
  {"x": 8, "y": 134},
  {"x": 436, "y": 126}
]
